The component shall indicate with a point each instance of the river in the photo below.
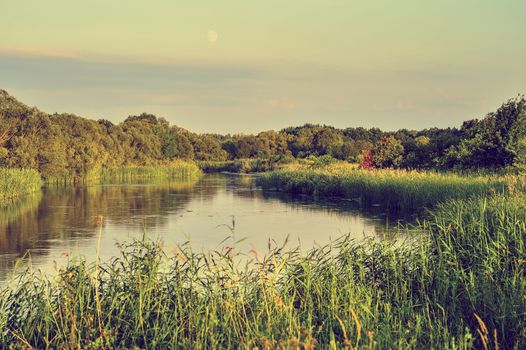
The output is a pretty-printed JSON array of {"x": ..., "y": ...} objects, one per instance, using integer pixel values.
[{"x": 216, "y": 210}]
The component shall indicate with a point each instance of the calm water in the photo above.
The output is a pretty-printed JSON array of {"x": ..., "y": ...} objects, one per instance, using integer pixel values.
[{"x": 218, "y": 208}]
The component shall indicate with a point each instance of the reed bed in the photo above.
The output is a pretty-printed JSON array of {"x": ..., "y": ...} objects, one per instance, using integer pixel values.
[
  {"x": 178, "y": 169},
  {"x": 396, "y": 190},
  {"x": 239, "y": 166},
  {"x": 175, "y": 170},
  {"x": 251, "y": 165},
  {"x": 460, "y": 286},
  {"x": 17, "y": 183},
  {"x": 231, "y": 166}
]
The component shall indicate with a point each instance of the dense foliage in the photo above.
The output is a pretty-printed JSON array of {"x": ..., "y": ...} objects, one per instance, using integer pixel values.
[
  {"x": 459, "y": 286},
  {"x": 64, "y": 145},
  {"x": 61, "y": 145}
]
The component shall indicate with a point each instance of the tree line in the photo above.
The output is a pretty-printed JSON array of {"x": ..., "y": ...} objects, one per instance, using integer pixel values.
[{"x": 68, "y": 145}]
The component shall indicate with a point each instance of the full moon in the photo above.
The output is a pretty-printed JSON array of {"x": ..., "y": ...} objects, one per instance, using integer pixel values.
[{"x": 212, "y": 36}]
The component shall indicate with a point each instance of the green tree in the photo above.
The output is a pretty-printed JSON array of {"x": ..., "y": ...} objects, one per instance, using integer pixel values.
[
  {"x": 517, "y": 142},
  {"x": 327, "y": 141},
  {"x": 388, "y": 152}
]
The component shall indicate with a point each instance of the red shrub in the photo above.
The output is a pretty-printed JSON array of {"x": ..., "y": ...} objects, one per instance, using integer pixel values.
[{"x": 367, "y": 159}]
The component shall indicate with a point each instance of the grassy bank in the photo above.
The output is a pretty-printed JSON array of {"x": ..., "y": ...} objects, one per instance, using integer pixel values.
[
  {"x": 174, "y": 170},
  {"x": 252, "y": 165},
  {"x": 461, "y": 286},
  {"x": 395, "y": 190},
  {"x": 16, "y": 183}
]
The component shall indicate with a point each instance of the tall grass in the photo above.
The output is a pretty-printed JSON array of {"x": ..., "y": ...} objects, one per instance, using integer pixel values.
[
  {"x": 395, "y": 190},
  {"x": 251, "y": 165},
  {"x": 461, "y": 286},
  {"x": 16, "y": 183},
  {"x": 174, "y": 170}
]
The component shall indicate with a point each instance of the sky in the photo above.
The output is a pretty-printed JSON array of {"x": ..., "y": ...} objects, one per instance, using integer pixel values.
[{"x": 247, "y": 66}]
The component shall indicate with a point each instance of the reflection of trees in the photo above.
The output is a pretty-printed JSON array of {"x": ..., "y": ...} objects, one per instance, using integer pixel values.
[
  {"x": 70, "y": 213},
  {"x": 66, "y": 214},
  {"x": 13, "y": 239},
  {"x": 212, "y": 183}
]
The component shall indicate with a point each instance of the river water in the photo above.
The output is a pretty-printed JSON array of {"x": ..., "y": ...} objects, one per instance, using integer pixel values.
[{"x": 217, "y": 210}]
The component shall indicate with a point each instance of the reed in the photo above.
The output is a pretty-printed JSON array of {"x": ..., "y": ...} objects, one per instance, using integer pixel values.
[
  {"x": 252, "y": 165},
  {"x": 460, "y": 286},
  {"x": 17, "y": 183},
  {"x": 174, "y": 170},
  {"x": 396, "y": 190}
]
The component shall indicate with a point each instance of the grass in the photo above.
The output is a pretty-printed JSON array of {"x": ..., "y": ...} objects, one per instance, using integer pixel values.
[
  {"x": 17, "y": 183},
  {"x": 251, "y": 165},
  {"x": 174, "y": 170},
  {"x": 461, "y": 286},
  {"x": 396, "y": 190}
]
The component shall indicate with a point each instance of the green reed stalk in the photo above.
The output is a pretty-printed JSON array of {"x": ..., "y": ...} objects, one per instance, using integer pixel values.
[
  {"x": 16, "y": 183},
  {"x": 394, "y": 190}
]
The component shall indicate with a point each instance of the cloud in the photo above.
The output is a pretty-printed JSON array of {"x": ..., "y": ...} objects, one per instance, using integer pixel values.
[
  {"x": 60, "y": 71},
  {"x": 49, "y": 52},
  {"x": 252, "y": 96}
]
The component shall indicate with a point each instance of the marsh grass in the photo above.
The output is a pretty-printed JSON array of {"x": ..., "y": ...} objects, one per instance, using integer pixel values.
[
  {"x": 252, "y": 165},
  {"x": 461, "y": 286},
  {"x": 395, "y": 190},
  {"x": 173, "y": 170},
  {"x": 17, "y": 183}
]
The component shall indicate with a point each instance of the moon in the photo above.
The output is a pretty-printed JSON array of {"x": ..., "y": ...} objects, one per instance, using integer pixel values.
[{"x": 212, "y": 36}]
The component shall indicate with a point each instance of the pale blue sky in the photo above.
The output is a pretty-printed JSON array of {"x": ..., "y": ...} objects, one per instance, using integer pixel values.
[{"x": 389, "y": 64}]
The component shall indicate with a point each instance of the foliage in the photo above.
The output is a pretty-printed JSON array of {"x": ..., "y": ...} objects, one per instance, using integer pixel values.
[
  {"x": 486, "y": 143},
  {"x": 367, "y": 159},
  {"x": 388, "y": 152},
  {"x": 322, "y": 161},
  {"x": 63, "y": 146},
  {"x": 517, "y": 142}
]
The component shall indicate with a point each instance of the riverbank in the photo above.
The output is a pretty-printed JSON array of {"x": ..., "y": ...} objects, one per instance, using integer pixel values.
[
  {"x": 460, "y": 286},
  {"x": 395, "y": 190},
  {"x": 253, "y": 165},
  {"x": 177, "y": 170},
  {"x": 17, "y": 183}
]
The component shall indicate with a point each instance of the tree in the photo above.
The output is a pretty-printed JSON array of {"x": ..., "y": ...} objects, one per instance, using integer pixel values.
[
  {"x": 486, "y": 143},
  {"x": 207, "y": 147},
  {"x": 367, "y": 159},
  {"x": 327, "y": 141},
  {"x": 517, "y": 142},
  {"x": 388, "y": 152}
]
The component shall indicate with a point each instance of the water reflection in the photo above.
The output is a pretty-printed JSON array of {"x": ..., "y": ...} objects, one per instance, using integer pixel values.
[{"x": 62, "y": 222}]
